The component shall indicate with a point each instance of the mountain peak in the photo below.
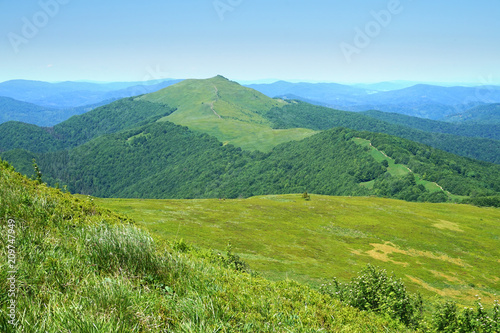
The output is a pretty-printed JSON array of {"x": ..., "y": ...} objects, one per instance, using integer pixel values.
[{"x": 221, "y": 77}]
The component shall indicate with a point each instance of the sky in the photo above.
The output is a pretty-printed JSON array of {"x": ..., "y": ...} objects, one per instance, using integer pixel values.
[{"x": 353, "y": 41}]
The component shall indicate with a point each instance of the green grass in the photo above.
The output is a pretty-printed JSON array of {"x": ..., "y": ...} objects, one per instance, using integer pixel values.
[
  {"x": 441, "y": 250},
  {"x": 82, "y": 268},
  {"x": 226, "y": 110}
]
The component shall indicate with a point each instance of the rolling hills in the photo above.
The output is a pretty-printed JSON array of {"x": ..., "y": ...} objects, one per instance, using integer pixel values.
[
  {"x": 249, "y": 120},
  {"x": 69, "y": 94},
  {"x": 482, "y": 115},
  {"x": 420, "y": 100},
  {"x": 48, "y": 104},
  {"x": 239, "y": 142},
  {"x": 465, "y": 140},
  {"x": 164, "y": 160},
  {"x": 212, "y": 140}
]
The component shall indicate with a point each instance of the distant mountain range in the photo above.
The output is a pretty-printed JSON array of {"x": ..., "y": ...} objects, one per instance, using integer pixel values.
[
  {"x": 424, "y": 101},
  {"x": 47, "y": 104},
  {"x": 74, "y": 94},
  {"x": 52, "y": 103},
  {"x": 483, "y": 114}
]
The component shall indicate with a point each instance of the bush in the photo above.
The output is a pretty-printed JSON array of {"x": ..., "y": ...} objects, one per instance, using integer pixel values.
[
  {"x": 447, "y": 318},
  {"x": 373, "y": 290}
]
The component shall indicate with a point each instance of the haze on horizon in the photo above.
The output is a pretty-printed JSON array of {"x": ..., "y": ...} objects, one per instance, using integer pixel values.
[{"x": 319, "y": 40}]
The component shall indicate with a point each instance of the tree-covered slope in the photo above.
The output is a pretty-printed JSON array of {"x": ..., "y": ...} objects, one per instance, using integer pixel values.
[
  {"x": 483, "y": 114},
  {"x": 14, "y": 110},
  {"x": 299, "y": 114},
  {"x": 111, "y": 118},
  {"x": 164, "y": 160},
  {"x": 485, "y": 130}
]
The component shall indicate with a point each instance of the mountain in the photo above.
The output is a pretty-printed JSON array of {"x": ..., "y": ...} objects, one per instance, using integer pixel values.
[
  {"x": 326, "y": 93},
  {"x": 215, "y": 138},
  {"x": 421, "y": 100},
  {"x": 13, "y": 110},
  {"x": 490, "y": 130},
  {"x": 473, "y": 141},
  {"x": 488, "y": 114},
  {"x": 75, "y": 94},
  {"x": 111, "y": 118},
  {"x": 164, "y": 160},
  {"x": 225, "y": 109},
  {"x": 386, "y": 86},
  {"x": 246, "y": 119}
]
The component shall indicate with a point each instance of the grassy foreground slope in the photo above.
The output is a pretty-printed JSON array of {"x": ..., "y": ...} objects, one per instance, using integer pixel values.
[
  {"x": 441, "y": 250},
  {"x": 81, "y": 268}
]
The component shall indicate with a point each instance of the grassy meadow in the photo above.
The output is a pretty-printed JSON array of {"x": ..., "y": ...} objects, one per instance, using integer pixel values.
[
  {"x": 74, "y": 266},
  {"x": 445, "y": 251}
]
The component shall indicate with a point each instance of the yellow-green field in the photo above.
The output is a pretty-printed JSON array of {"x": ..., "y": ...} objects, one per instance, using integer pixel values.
[{"x": 441, "y": 250}]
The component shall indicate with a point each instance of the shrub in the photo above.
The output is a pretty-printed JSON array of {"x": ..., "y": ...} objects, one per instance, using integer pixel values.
[
  {"x": 447, "y": 318},
  {"x": 374, "y": 290}
]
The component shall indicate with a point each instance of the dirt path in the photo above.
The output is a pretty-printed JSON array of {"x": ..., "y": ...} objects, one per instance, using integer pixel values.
[{"x": 216, "y": 99}]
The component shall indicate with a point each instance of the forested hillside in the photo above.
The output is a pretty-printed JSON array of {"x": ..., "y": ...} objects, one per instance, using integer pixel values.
[
  {"x": 130, "y": 148},
  {"x": 300, "y": 114},
  {"x": 483, "y": 114},
  {"x": 111, "y": 118},
  {"x": 487, "y": 130},
  {"x": 163, "y": 160}
]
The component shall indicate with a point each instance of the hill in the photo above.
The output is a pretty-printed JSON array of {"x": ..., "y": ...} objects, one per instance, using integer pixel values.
[
  {"x": 13, "y": 110},
  {"x": 233, "y": 115},
  {"x": 321, "y": 92},
  {"x": 247, "y": 119},
  {"x": 421, "y": 100},
  {"x": 78, "y": 267},
  {"x": 111, "y": 118},
  {"x": 164, "y": 160},
  {"x": 230, "y": 112},
  {"x": 490, "y": 130},
  {"x": 74, "y": 94},
  {"x": 299, "y": 114},
  {"x": 130, "y": 148},
  {"x": 484, "y": 114}
]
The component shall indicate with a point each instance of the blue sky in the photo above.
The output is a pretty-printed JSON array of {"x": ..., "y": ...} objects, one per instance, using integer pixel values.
[{"x": 317, "y": 40}]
